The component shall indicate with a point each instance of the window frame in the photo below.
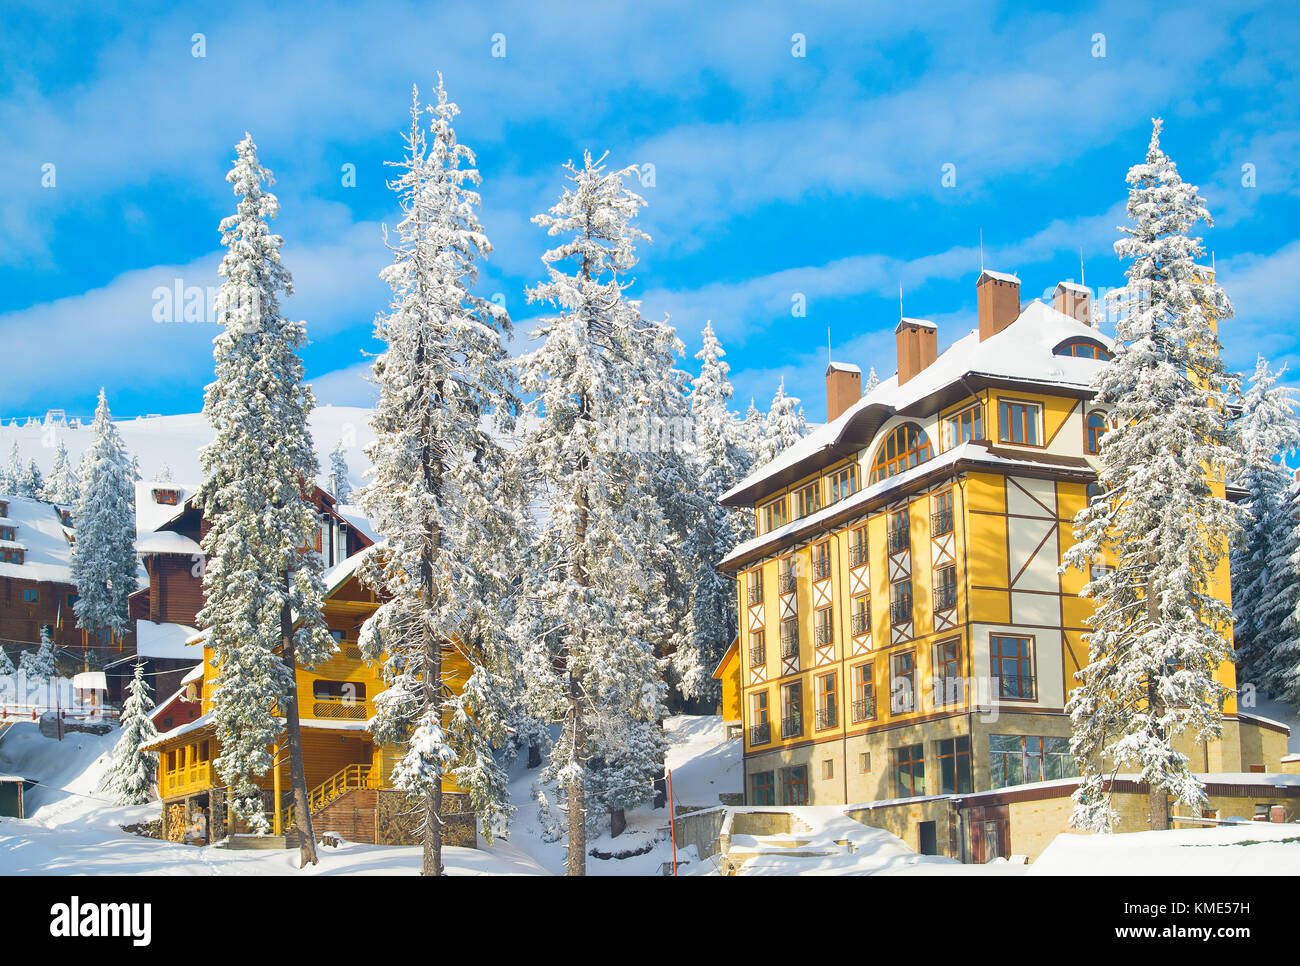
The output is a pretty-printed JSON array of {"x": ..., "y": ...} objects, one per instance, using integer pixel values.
[
  {"x": 952, "y": 756},
  {"x": 834, "y": 483},
  {"x": 1099, "y": 352},
  {"x": 948, "y": 667},
  {"x": 794, "y": 785},
  {"x": 996, "y": 658},
  {"x": 915, "y": 774},
  {"x": 954, "y": 433},
  {"x": 802, "y": 497},
  {"x": 902, "y": 459},
  {"x": 1092, "y": 434},
  {"x": 827, "y": 701},
  {"x": 898, "y": 702},
  {"x": 1005, "y": 406},
  {"x": 767, "y": 788},
  {"x": 767, "y": 513},
  {"x": 864, "y": 690}
]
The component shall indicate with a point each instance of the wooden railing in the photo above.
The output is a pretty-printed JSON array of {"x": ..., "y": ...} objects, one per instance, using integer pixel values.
[
  {"x": 350, "y": 778},
  {"x": 186, "y": 778}
]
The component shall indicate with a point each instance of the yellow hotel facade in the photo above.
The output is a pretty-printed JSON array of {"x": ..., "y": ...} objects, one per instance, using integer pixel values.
[{"x": 905, "y": 630}]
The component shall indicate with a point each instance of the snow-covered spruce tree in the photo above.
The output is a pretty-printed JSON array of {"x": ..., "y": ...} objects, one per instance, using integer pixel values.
[
  {"x": 103, "y": 558},
  {"x": 61, "y": 487},
  {"x": 753, "y": 430},
  {"x": 1261, "y": 596},
  {"x": 339, "y": 484},
  {"x": 132, "y": 772},
  {"x": 6, "y": 665},
  {"x": 719, "y": 460},
  {"x": 164, "y": 474},
  {"x": 13, "y": 469},
  {"x": 31, "y": 484},
  {"x": 257, "y": 470},
  {"x": 785, "y": 425},
  {"x": 1158, "y": 634},
  {"x": 436, "y": 492},
  {"x": 40, "y": 664},
  {"x": 1282, "y": 614},
  {"x": 873, "y": 381},
  {"x": 589, "y": 662}
]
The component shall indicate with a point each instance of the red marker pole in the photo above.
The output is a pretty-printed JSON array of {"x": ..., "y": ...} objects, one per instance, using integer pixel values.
[{"x": 672, "y": 829}]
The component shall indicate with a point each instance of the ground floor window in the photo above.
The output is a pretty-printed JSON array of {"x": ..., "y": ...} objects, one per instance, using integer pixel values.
[
  {"x": 954, "y": 765},
  {"x": 794, "y": 785},
  {"x": 762, "y": 788},
  {"x": 909, "y": 771},
  {"x": 1017, "y": 759}
]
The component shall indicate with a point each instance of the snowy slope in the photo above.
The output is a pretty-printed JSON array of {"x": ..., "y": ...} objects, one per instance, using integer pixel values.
[
  {"x": 175, "y": 441},
  {"x": 1254, "y": 848}
]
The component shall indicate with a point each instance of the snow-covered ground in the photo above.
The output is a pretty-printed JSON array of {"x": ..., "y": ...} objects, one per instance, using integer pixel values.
[
  {"x": 1253, "y": 848},
  {"x": 72, "y": 829}
]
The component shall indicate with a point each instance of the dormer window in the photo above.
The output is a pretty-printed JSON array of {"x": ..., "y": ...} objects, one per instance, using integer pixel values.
[
  {"x": 166, "y": 496},
  {"x": 905, "y": 447},
  {"x": 1083, "y": 349},
  {"x": 842, "y": 483},
  {"x": 6, "y": 533},
  {"x": 8, "y": 555}
]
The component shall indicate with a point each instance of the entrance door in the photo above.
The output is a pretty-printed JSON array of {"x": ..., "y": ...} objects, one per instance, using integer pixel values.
[{"x": 929, "y": 841}]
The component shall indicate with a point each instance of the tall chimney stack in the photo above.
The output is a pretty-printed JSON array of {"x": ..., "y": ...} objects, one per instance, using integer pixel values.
[
  {"x": 843, "y": 388},
  {"x": 918, "y": 346},
  {"x": 1074, "y": 301},
  {"x": 998, "y": 297}
]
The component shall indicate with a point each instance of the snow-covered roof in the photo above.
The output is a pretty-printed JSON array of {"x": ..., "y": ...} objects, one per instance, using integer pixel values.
[
  {"x": 39, "y": 531},
  {"x": 166, "y": 640},
  {"x": 150, "y": 515},
  {"x": 90, "y": 681},
  {"x": 1074, "y": 287},
  {"x": 843, "y": 367},
  {"x": 922, "y": 323},
  {"x": 999, "y": 276},
  {"x": 168, "y": 541},
  {"x": 206, "y": 721},
  {"x": 193, "y": 674},
  {"x": 357, "y": 520},
  {"x": 1023, "y": 352}
]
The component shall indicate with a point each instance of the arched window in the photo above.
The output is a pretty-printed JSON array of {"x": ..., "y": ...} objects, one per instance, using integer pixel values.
[
  {"x": 905, "y": 447},
  {"x": 1083, "y": 349},
  {"x": 1094, "y": 430}
]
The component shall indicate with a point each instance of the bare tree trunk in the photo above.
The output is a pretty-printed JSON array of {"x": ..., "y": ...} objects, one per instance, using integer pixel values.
[
  {"x": 1157, "y": 798},
  {"x": 432, "y": 835},
  {"x": 577, "y": 860},
  {"x": 297, "y": 773}
]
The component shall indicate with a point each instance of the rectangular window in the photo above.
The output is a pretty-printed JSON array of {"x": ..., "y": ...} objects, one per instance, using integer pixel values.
[
  {"x": 899, "y": 540},
  {"x": 858, "y": 547},
  {"x": 965, "y": 426},
  {"x": 860, "y": 615},
  {"x": 757, "y": 648},
  {"x": 948, "y": 685},
  {"x": 762, "y": 788},
  {"x": 794, "y": 785},
  {"x": 754, "y": 583},
  {"x": 821, "y": 560},
  {"x": 864, "y": 762},
  {"x": 827, "y": 701},
  {"x": 760, "y": 728},
  {"x": 954, "y": 765},
  {"x": 773, "y": 515},
  {"x": 347, "y": 691},
  {"x": 941, "y": 513},
  {"x": 791, "y": 711},
  {"x": 828, "y": 768},
  {"x": 864, "y": 693},
  {"x": 824, "y": 622},
  {"x": 909, "y": 771},
  {"x": 1011, "y": 660},
  {"x": 900, "y": 602},
  {"x": 31, "y": 596},
  {"x": 1017, "y": 759},
  {"x": 842, "y": 483},
  {"x": 1018, "y": 422},
  {"x": 806, "y": 502},
  {"x": 785, "y": 575},
  {"x": 6, "y": 533},
  {"x": 72, "y": 599},
  {"x": 945, "y": 587},
  {"x": 902, "y": 682},
  {"x": 789, "y": 638}
]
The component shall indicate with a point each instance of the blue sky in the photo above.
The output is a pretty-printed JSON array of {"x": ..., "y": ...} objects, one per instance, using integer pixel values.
[{"x": 774, "y": 175}]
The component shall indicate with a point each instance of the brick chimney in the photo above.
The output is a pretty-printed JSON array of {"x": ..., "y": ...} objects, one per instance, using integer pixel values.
[
  {"x": 1073, "y": 300},
  {"x": 918, "y": 346},
  {"x": 998, "y": 297},
  {"x": 843, "y": 388}
]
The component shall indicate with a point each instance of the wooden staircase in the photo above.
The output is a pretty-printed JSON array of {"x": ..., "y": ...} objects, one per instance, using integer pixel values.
[{"x": 349, "y": 779}]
